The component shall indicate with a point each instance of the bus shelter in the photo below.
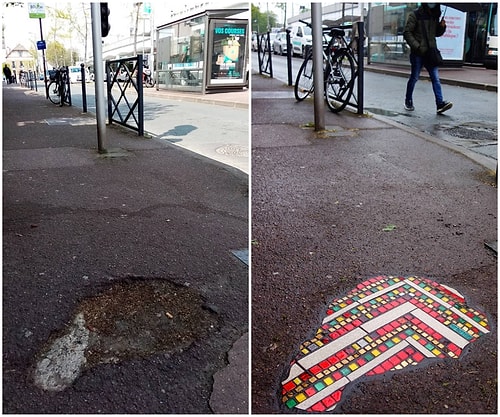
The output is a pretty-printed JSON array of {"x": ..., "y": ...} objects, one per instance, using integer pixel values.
[{"x": 206, "y": 52}]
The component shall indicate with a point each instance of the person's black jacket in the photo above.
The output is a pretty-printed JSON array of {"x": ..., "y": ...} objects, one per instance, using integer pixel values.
[{"x": 413, "y": 30}]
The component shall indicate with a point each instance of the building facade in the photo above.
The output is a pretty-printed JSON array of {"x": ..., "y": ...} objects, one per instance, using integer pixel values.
[
  {"x": 471, "y": 37},
  {"x": 20, "y": 59}
]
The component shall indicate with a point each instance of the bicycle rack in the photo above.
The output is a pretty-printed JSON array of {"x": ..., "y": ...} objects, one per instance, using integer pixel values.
[
  {"x": 265, "y": 61},
  {"x": 123, "y": 74},
  {"x": 29, "y": 80},
  {"x": 358, "y": 91}
]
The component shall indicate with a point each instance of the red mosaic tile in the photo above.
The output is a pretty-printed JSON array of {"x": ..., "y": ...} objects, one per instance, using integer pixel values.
[{"x": 422, "y": 320}]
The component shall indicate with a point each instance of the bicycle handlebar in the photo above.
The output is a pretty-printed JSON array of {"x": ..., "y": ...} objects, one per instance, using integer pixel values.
[{"x": 329, "y": 27}]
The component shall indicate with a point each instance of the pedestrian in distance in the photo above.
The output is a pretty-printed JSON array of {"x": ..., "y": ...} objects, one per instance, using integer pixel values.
[
  {"x": 421, "y": 30},
  {"x": 8, "y": 74}
]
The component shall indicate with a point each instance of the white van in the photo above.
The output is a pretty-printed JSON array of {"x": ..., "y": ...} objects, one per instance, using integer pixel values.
[
  {"x": 75, "y": 74},
  {"x": 300, "y": 37}
]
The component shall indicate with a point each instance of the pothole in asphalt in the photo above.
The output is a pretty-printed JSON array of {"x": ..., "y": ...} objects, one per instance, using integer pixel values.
[
  {"x": 129, "y": 319},
  {"x": 473, "y": 132}
]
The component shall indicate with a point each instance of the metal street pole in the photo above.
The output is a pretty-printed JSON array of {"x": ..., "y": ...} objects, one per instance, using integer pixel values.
[
  {"x": 44, "y": 63},
  {"x": 318, "y": 77},
  {"x": 100, "y": 104}
]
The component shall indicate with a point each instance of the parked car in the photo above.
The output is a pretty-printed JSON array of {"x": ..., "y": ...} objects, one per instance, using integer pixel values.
[
  {"x": 254, "y": 41},
  {"x": 272, "y": 37},
  {"x": 263, "y": 41},
  {"x": 279, "y": 44}
]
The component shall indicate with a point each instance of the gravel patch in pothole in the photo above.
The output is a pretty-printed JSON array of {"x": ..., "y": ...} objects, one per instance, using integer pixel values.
[{"x": 129, "y": 319}]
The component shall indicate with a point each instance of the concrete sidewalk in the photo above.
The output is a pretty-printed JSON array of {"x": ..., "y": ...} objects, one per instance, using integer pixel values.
[
  {"x": 141, "y": 241},
  {"x": 476, "y": 77}
]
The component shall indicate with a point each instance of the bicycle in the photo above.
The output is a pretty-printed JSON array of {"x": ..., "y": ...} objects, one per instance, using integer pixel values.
[
  {"x": 57, "y": 86},
  {"x": 340, "y": 70},
  {"x": 147, "y": 78}
]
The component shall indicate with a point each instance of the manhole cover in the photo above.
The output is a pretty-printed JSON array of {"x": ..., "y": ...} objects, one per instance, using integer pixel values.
[
  {"x": 129, "y": 319},
  {"x": 235, "y": 150},
  {"x": 384, "y": 324}
]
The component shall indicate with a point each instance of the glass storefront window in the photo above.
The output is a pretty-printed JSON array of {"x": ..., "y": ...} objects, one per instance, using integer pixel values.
[{"x": 386, "y": 26}]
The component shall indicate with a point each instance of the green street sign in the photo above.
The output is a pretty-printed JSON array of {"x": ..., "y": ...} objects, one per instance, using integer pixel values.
[{"x": 36, "y": 10}]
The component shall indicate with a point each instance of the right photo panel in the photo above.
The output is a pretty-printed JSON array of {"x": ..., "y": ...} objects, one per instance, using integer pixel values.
[{"x": 374, "y": 208}]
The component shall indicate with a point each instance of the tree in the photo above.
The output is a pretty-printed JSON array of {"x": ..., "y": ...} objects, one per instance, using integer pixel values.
[
  {"x": 71, "y": 23},
  {"x": 57, "y": 54},
  {"x": 262, "y": 22},
  {"x": 283, "y": 6}
]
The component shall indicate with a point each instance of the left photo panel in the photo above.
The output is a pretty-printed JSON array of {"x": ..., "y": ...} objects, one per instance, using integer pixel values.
[{"x": 126, "y": 207}]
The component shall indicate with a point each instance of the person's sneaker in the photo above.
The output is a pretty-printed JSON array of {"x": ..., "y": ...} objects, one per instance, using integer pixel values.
[
  {"x": 445, "y": 105},
  {"x": 409, "y": 105}
]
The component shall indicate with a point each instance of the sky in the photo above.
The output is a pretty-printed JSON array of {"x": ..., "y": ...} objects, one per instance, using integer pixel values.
[{"x": 20, "y": 29}]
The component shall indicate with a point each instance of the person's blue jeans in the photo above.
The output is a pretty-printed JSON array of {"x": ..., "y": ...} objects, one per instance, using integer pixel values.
[{"x": 417, "y": 62}]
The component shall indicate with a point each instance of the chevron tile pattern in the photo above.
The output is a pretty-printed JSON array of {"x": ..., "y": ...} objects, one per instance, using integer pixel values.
[{"x": 385, "y": 324}]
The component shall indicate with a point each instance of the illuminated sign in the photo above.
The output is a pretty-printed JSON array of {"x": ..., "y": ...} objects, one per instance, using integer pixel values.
[{"x": 228, "y": 51}]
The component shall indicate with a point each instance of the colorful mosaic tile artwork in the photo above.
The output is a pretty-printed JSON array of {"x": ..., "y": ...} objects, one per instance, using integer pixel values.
[{"x": 385, "y": 324}]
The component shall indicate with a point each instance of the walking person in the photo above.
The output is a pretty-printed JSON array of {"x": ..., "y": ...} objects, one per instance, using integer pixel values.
[
  {"x": 8, "y": 74},
  {"x": 422, "y": 28}
]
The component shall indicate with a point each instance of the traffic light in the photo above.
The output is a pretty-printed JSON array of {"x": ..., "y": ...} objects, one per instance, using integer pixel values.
[{"x": 104, "y": 20}]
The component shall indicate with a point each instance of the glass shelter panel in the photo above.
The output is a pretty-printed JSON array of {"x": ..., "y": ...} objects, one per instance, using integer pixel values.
[{"x": 181, "y": 54}]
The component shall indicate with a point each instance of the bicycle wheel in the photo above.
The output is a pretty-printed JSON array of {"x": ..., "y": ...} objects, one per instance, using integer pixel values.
[
  {"x": 54, "y": 95},
  {"x": 304, "y": 84},
  {"x": 339, "y": 80}
]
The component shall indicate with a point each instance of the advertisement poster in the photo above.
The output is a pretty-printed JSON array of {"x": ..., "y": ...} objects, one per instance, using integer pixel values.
[
  {"x": 451, "y": 44},
  {"x": 228, "y": 50}
]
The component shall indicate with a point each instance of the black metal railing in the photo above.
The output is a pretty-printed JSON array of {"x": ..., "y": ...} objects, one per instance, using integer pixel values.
[
  {"x": 28, "y": 79},
  {"x": 124, "y": 78},
  {"x": 264, "y": 54}
]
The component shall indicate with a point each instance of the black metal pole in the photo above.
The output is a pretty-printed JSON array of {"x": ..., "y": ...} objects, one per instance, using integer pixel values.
[
  {"x": 289, "y": 56},
  {"x": 140, "y": 93},
  {"x": 68, "y": 85},
  {"x": 44, "y": 64},
  {"x": 361, "y": 66},
  {"x": 84, "y": 88},
  {"x": 268, "y": 41}
]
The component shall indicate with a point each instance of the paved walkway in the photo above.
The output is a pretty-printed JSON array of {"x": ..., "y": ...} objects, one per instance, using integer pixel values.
[
  {"x": 477, "y": 77},
  {"x": 335, "y": 215},
  {"x": 76, "y": 223}
]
